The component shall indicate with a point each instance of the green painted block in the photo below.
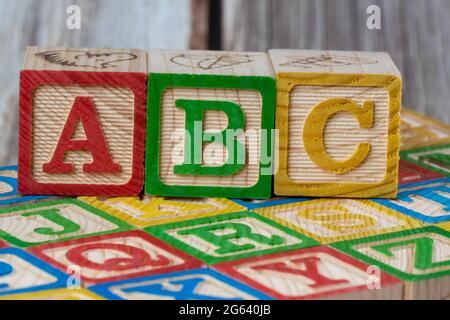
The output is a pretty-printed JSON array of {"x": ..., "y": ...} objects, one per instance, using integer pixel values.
[
  {"x": 230, "y": 236},
  {"x": 53, "y": 221},
  {"x": 410, "y": 255},
  {"x": 435, "y": 158},
  {"x": 192, "y": 98}
]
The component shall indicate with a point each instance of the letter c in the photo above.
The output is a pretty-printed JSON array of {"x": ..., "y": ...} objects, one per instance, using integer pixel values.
[{"x": 313, "y": 133}]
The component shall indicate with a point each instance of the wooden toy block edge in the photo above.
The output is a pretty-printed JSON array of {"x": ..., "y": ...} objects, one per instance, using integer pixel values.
[{"x": 387, "y": 188}]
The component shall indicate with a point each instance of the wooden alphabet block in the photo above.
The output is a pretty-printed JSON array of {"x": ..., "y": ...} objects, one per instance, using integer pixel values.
[
  {"x": 8, "y": 189},
  {"x": 418, "y": 130},
  {"x": 312, "y": 273},
  {"x": 420, "y": 257},
  {"x": 230, "y": 236},
  {"x": 428, "y": 201},
  {"x": 53, "y": 221},
  {"x": 150, "y": 211},
  {"x": 197, "y": 284},
  {"x": 209, "y": 121},
  {"x": 115, "y": 256},
  {"x": 21, "y": 272},
  {"x": 409, "y": 173},
  {"x": 435, "y": 158},
  {"x": 82, "y": 121},
  {"x": 332, "y": 220},
  {"x": 338, "y": 119},
  {"x": 56, "y": 294}
]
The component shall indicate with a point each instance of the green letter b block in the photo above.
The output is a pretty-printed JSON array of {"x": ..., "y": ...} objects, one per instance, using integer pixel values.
[{"x": 210, "y": 120}]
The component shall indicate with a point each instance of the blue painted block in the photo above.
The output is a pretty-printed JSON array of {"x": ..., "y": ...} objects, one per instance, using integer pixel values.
[
  {"x": 21, "y": 272},
  {"x": 255, "y": 204},
  {"x": 8, "y": 183},
  {"x": 196, "y": 284},
  {"x": 428, "y": 201}
]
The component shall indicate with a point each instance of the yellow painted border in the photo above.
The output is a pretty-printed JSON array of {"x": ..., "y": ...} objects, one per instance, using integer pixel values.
[
  {"x": 410, "y": 223},
  {"x": 154, "y": 213},
  {"x": 387, "y": 188},
  {"x": 56, "y": 294}
]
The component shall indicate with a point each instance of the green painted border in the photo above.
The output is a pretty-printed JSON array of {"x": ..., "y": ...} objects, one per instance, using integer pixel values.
[
  {"x": 122, "y": 226},
  {"x": 347, "y": 247},
  {"x": 159, "y": 232},
  {"x": 405, "y": 155},
  {"x": 157, "y": 84}
]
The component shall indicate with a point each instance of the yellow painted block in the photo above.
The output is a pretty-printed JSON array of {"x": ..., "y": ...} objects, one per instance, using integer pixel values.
[
  {"x": 418, "y": 130},
  {"x": 338, "y": 119},
  {"x": 444, "y": 225},
  {"x": 56, "y": 294},
  {"x": 150, "y": 211},
  {"x": 332, "y": 220}
]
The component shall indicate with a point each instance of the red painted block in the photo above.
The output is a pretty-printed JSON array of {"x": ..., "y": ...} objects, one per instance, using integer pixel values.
[
  {"x": 3, "y": 244},
  {"x": 116, "y": 256},
  {"x": 410, "y": 173},
  {"x": 312, "y": 273},
  {"x": 82, "y": 122}
]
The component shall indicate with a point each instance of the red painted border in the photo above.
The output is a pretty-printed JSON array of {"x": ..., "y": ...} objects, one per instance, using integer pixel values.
[
  {"x": 189, "y": 261},
  {"x": 228, "y": 269},
  {"x": 3, "y": 244},
  {"x": 408, "y": 170},
  {"x": 32, "y": 79}
]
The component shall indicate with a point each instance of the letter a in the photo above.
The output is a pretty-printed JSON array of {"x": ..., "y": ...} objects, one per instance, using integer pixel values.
[{"x": 83, "y": 110}]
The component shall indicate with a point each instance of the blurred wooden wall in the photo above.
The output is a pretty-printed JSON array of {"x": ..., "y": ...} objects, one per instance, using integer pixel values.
[{"x": 415, "y": 32}]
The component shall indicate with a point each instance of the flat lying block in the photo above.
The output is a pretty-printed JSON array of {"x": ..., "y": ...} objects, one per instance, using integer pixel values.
[
  {"x": 197, "y": 284},
  {"x": 150, "y": 211},
  {"x": 428, "y": 201},
  {"x": 338, "y": 119},
  {"x": 435, "y": 158},
  {"x": 409, "y": 173},
  {"x": 331, "y": 220},
  {"x": 21, "y": 272},
  {"x": 56, "y": 294},
  {"x": 116, "y": 256},
  {"x": 230, "y": 236},
  {"x": 419, "y": 257},
  {"x": 209, "y": 121},
  {"x": 418, "y": 130},
  {"x": 54, "y": 221},
  {"x": 312, "y": 273},
  {"x": 82, "y": 121}
]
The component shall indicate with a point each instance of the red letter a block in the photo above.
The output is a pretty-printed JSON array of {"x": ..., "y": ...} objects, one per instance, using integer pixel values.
[{"x": 82, "y": 122}]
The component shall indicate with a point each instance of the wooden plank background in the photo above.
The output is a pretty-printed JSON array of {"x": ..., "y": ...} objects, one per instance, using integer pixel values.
[
  {"x": 415, "y": 32},
  {"x": 142, "y": 24}
]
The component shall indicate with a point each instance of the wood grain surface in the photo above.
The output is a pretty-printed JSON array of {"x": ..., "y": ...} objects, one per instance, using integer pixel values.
[{"x": 414, "y": 32}]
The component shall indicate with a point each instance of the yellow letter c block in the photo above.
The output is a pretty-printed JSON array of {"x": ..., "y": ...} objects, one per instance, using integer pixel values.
[{"x": 314, "y": 127}]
